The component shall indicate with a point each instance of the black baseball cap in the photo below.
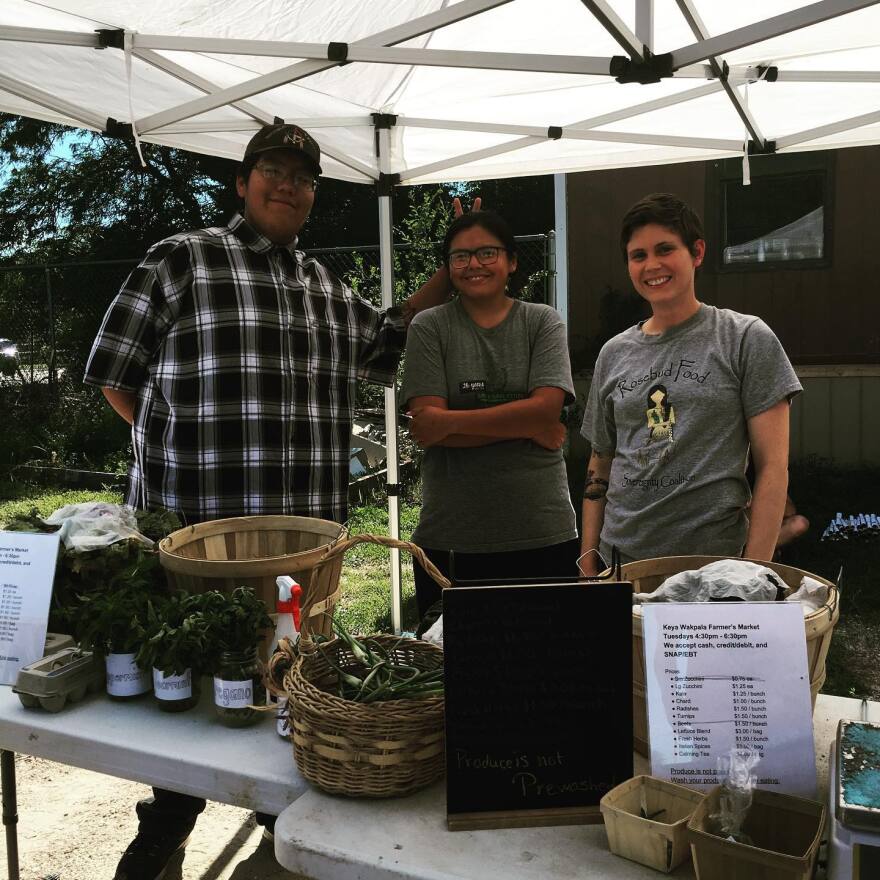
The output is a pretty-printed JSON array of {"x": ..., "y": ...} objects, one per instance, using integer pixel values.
[{"x": 285, "y": 137}]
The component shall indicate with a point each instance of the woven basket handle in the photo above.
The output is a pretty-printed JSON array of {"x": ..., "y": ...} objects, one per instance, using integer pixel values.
[{"x": 339, "y": 548}]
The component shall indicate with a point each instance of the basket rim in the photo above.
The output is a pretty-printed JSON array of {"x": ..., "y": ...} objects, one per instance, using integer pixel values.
[
  {"x": 171, "y": 544},
  {"x": 832, "y": 603}
]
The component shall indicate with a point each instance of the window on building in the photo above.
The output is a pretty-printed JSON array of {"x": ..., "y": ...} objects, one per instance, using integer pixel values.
[{"x": 781, "y": 218}]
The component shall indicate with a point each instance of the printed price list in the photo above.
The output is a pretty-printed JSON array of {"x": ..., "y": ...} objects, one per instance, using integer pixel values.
[
  {"x": 741, "y": 699},
  {"x": 10, "y": 611}
]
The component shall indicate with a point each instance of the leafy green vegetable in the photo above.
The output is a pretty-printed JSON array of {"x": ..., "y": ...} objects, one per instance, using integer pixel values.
[
  {"x": 235, "y": 623},
  {"x": 85, "y": 575},
  {"x": 113, "y": 620},
  {"x": 176, "y": 636}
]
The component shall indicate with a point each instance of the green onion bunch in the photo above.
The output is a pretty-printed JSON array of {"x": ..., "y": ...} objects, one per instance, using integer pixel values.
[{"x": 376, "y": 675}]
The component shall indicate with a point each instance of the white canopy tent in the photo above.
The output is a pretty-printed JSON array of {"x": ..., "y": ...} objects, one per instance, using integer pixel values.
[{"x": 420, "y": 91}]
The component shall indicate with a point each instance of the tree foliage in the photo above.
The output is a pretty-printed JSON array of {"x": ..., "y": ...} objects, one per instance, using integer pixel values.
[{"x": 81, "y": 195}]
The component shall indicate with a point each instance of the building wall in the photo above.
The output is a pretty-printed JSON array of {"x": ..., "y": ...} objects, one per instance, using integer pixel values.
[{"x": 827, "y": 315}]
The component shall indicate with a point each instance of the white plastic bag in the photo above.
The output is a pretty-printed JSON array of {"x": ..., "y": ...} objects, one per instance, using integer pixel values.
[
  {"x": 93, "y": 524},
  {"x": 434, "y": 634},
  {"x": 723, "y": 579},
  {"x": 811, "y": 594}
]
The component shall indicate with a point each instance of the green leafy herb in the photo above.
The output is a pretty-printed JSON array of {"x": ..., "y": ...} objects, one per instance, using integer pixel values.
[
  {"x": 176, "y": 636},
  {"x": 235, "y": 623}
]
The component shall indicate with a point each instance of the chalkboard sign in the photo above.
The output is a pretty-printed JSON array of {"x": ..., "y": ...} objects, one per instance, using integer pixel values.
[{"x": 538, "y": 701}]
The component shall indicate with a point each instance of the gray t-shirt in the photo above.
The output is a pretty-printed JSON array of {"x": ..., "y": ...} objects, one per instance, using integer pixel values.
[
  {"x": 510, "y": 495},
  {"x": 673, "y": 409}
]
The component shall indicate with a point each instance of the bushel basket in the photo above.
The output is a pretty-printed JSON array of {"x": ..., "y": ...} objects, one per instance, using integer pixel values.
[
  {"x": 252, "y": 551},
  {"x": 379, "y": 749}
]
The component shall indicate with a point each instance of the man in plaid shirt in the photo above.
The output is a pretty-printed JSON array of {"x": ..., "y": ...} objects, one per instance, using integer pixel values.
[{"x": 235, "y": 359}]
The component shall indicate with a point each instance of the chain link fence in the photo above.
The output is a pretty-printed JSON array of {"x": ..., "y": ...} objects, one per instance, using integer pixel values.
[{"x": 50, "y": 314}]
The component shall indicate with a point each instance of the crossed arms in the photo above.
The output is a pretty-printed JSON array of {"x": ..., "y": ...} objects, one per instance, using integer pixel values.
[{"x": 535, "y": 418}]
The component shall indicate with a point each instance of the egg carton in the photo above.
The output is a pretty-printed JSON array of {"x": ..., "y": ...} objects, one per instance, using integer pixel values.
[
  {"x": 66, "y": 675},
  {"x": 56, "y": 642}
]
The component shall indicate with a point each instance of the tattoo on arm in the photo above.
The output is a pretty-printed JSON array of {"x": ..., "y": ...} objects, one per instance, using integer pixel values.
[{"x": 596, "y": 487}]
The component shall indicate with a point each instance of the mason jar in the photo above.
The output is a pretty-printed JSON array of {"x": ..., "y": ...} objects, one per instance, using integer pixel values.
[
  {"x": 238, "y": 686},
  {"x": 175, "y": 693},
  {"x": 125, "y": 679}
]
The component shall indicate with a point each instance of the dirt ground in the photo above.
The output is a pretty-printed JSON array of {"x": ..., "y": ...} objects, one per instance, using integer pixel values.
[{"x": 74, "y": 825}]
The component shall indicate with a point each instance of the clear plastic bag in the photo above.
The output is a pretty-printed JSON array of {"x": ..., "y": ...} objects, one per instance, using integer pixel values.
[
  {"x": 736, "y": 794},
  {"x": 434, "y": 633},
  {"x": 811, "y": 594},
  {"x": 94, "y": 524}
]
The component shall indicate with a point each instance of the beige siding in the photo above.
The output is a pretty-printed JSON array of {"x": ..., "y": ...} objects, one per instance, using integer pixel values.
[{"x": 838, "y": 418}]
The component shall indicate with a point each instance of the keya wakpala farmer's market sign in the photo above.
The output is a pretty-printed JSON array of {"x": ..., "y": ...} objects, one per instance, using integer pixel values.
[
  {"x": 538, "y": 701},
  {"x": 729, "y": 675},
  {"x": 27, "y": 571}
]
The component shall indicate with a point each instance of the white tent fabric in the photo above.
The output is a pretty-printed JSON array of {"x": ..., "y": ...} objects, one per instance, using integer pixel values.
[
  {"x": 475, "y": 85},
  {"x": 467, "y": 90}
]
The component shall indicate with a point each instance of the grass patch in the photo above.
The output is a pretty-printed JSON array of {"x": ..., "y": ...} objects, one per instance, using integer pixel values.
[
  {"x": 365, "y": 606},
  {"x": 22, "y": 498}
]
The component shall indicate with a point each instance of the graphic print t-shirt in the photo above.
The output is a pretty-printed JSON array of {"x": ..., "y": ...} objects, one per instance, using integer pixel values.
[
  {"x": 509, "y": 495},
  {"x": 673, "y": 409}
]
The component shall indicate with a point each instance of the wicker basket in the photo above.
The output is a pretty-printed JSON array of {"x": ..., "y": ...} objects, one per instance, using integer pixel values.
[{"x": 381, "y": 749}]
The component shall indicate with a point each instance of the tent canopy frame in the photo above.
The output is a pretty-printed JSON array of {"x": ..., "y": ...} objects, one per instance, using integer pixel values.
[{"x": 702, "y": 59}]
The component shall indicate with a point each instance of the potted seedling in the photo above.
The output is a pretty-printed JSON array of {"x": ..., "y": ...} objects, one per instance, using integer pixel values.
[
  {"x": 175, "y": 645},
  {"x": 235, "y": 625},
  {"x": 112, "y": 623}
]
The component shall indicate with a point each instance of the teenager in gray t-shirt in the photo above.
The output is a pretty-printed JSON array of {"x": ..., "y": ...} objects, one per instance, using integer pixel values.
[
  {"x": 675, "y": 405},
  {"x": 485, "y": 378}
]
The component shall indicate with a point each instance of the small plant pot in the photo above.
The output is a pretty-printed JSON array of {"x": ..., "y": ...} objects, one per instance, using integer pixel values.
[
  {"x": 238, "y": 688},
  {"x": 125, "y": 679},
  {"x": 175, "y": 693}
]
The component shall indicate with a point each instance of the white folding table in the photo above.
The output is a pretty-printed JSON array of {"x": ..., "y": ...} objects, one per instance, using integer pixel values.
[
  {"x": 190, "y": 752},
  {"x": 332, "y": 838}
]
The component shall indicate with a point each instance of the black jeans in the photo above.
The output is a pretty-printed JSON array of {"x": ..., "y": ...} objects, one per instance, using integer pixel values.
[
  {"x": 172, "y": 814},
  {"x": 555, "y": 560}
]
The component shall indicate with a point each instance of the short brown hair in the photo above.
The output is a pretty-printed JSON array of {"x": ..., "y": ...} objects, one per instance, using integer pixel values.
[{"x": 664, "y": 209}]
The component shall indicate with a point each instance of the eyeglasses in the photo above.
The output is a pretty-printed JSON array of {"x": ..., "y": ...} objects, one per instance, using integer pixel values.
[
  {"x": 278, "y": 175},
  {"x": 485, "y": 256}
]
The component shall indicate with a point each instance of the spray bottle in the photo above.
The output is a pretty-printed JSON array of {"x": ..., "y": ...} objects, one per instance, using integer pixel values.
[{"x": 288, "y": 608}]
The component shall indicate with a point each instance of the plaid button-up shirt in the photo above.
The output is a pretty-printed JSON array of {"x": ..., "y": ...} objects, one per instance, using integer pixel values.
[{"x": 244, "y": 356}]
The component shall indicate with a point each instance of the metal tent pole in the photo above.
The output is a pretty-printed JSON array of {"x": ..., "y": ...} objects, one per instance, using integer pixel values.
[
  {"x": 10, "y": 812},
  {"x": 560, "y": 209},
  {"x": 386, "y": 264}
]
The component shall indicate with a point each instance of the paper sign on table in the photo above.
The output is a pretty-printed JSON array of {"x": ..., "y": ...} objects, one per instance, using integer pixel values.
[
  {"x": 27, "y": 571},
  {"x": 729, "y": 675}
]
